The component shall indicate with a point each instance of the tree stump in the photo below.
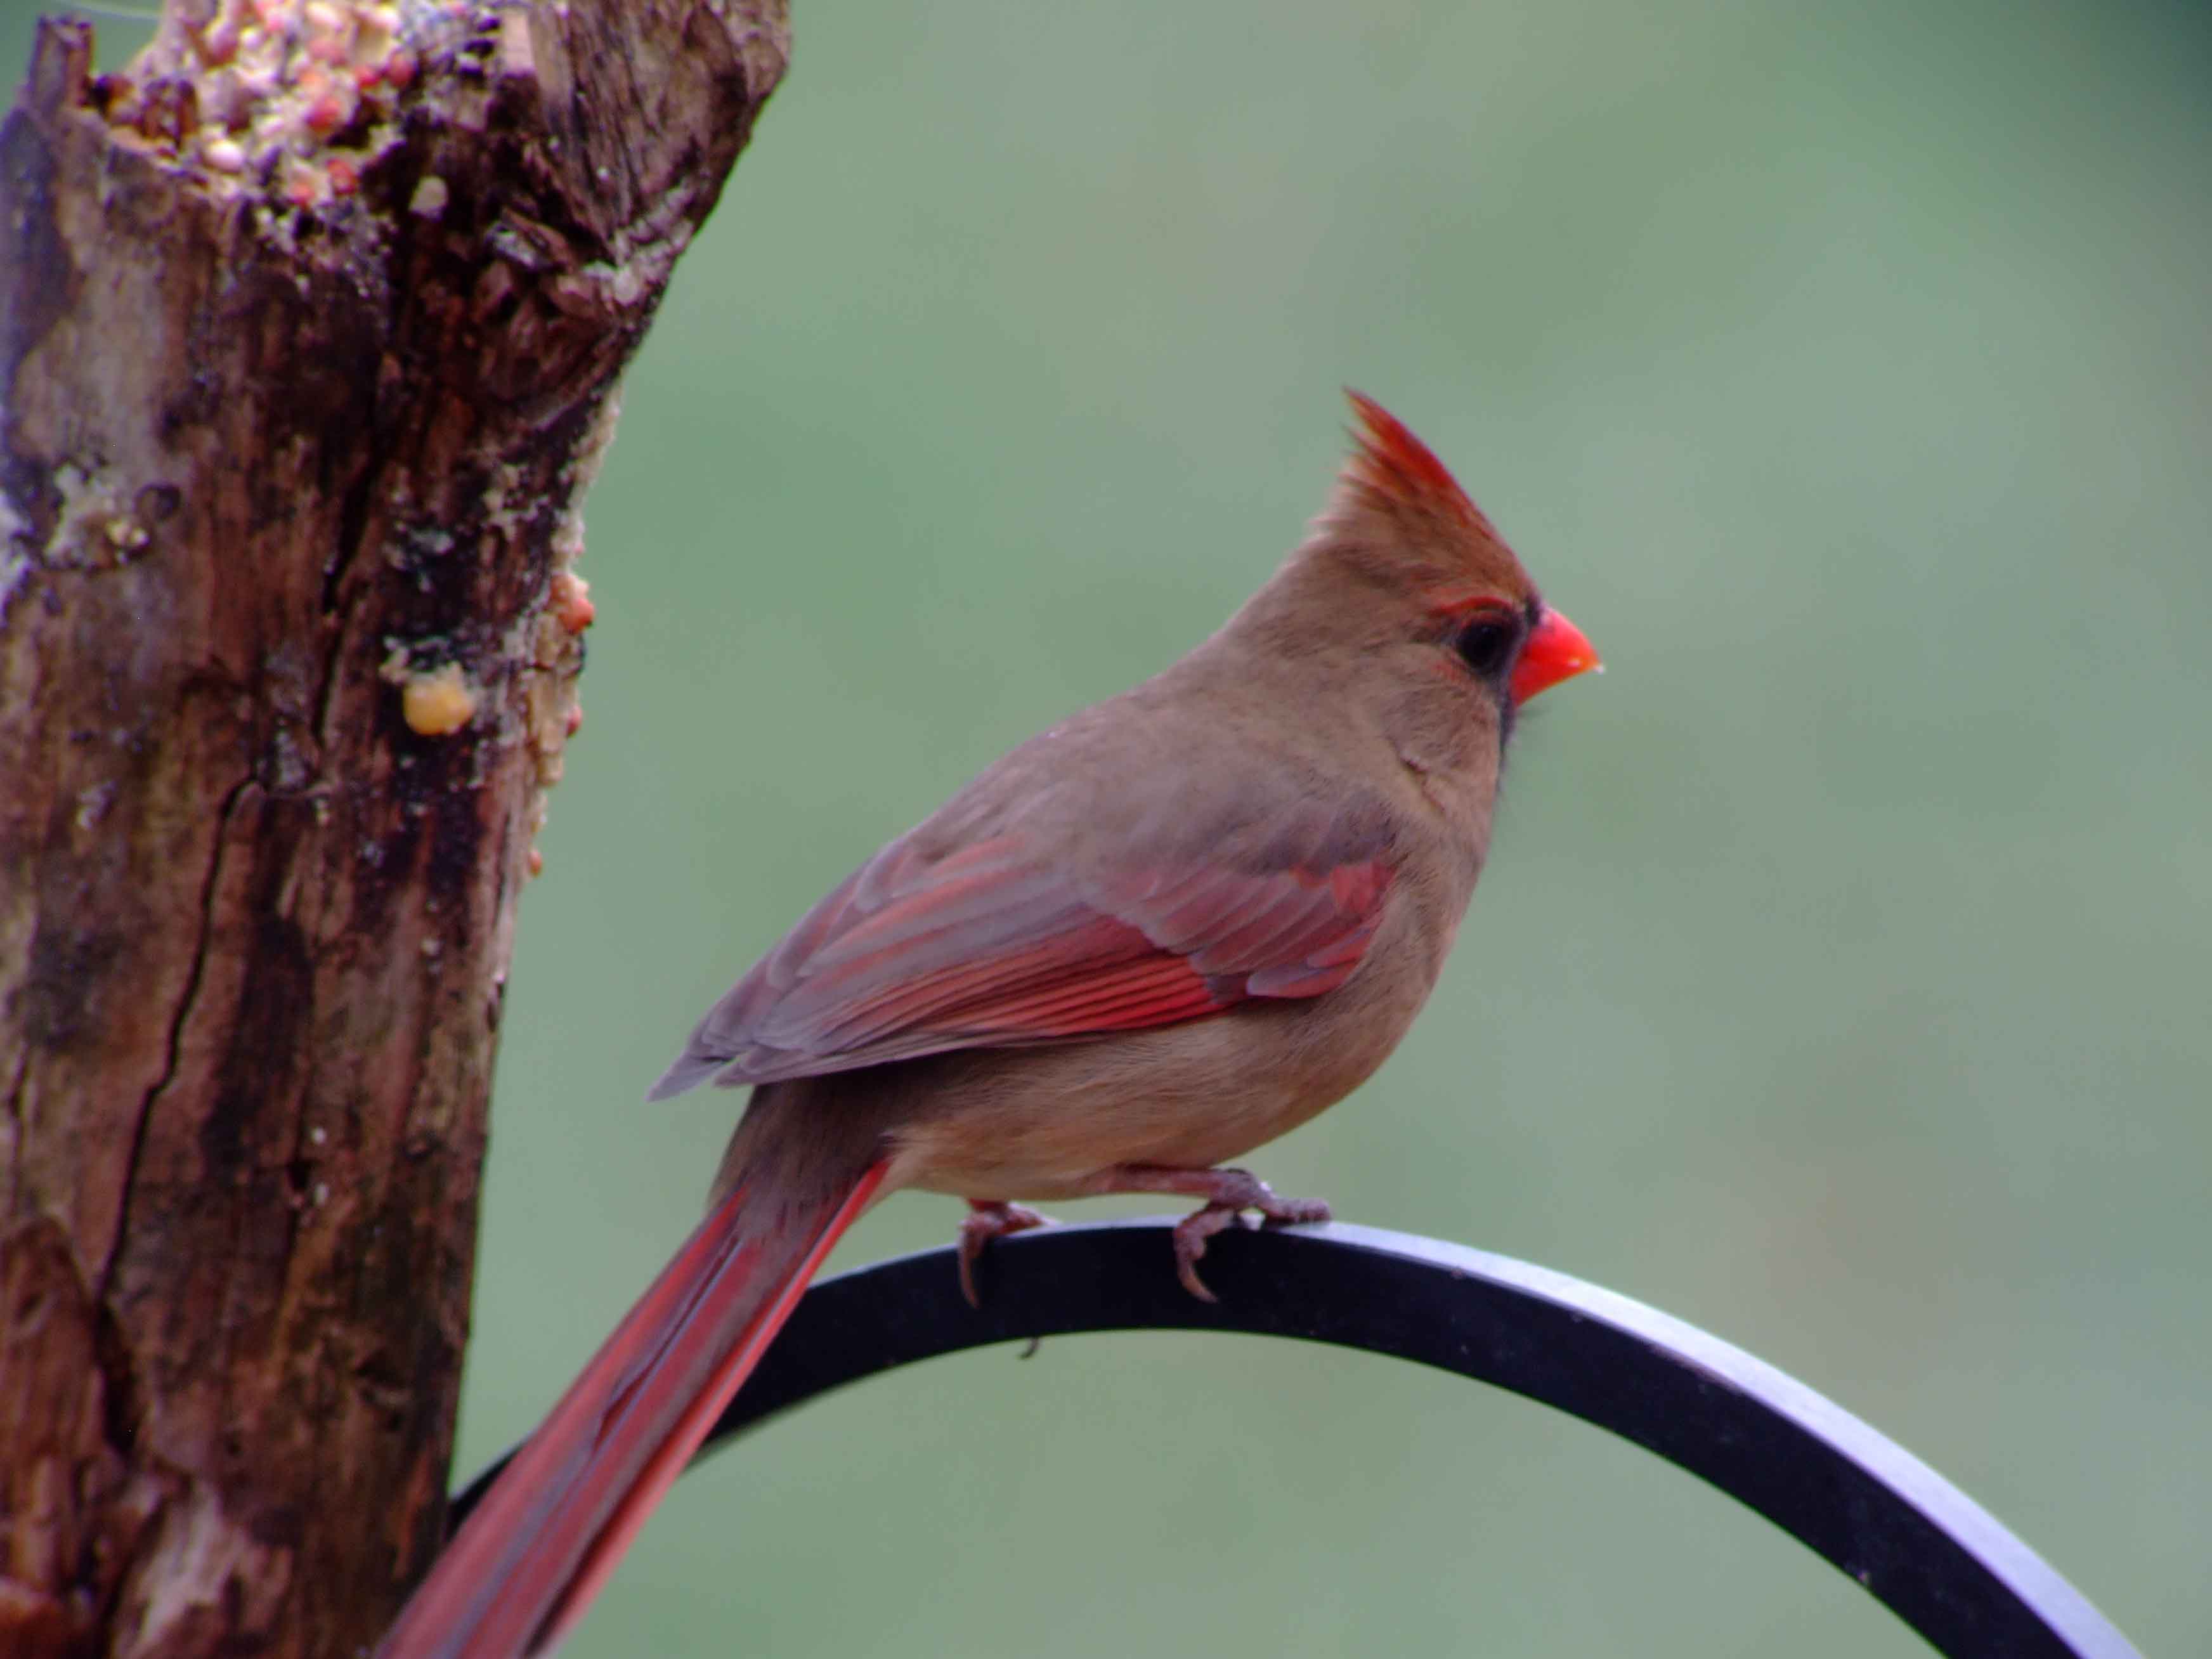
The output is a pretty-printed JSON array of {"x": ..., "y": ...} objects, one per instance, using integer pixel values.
[{"x": 310, "y": 328}]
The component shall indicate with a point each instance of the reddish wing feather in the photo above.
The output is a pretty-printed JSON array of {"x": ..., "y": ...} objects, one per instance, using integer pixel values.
[{"x": 987, "y": 947}]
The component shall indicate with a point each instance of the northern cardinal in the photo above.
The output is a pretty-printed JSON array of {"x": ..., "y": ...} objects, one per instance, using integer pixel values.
[{"x": 1168, "y": 929}]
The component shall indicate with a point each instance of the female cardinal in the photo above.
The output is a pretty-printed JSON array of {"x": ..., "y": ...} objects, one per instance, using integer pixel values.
[{"x": 1172, "y": 927}]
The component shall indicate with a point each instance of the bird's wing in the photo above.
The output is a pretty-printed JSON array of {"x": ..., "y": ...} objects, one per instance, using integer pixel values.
[{"x": 993, "y": 943}]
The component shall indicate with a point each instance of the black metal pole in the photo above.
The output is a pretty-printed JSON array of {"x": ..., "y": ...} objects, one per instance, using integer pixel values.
[{"x": 1925, "y": 1550}]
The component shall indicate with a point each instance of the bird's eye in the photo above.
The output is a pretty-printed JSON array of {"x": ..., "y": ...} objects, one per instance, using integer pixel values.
[{"x": 1488, "y": 643}]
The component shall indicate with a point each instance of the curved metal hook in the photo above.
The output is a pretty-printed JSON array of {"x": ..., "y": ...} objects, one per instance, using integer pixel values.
[{"x": 1923, "y": 1548}]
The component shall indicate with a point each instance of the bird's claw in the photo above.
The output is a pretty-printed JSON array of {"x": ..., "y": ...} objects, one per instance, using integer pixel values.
[
  {"x": 1236, "y": 1196},
  {"x": 985, "y": 1220}
]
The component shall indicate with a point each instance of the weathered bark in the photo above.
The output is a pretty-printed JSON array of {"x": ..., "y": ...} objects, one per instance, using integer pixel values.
[{"x": 310, "y": 329}]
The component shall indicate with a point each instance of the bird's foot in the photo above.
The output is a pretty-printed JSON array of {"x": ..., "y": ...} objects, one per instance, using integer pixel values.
[
  {"x": 987, "y": 1220},
  {"x": 1240, "y": 1194},
  {"x": 1230, "y": 1195}
]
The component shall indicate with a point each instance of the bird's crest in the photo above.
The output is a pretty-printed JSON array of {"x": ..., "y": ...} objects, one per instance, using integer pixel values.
[
  {"x": 1394, "y": 488},
  {"x": 1393, "y": 464}
]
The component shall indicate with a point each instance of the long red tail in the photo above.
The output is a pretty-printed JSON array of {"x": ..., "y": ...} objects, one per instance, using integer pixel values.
[{"x": 535, "y": 1551}]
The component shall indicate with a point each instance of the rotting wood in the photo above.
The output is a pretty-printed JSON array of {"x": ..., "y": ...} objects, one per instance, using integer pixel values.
[{"x": 311, "y": 326}]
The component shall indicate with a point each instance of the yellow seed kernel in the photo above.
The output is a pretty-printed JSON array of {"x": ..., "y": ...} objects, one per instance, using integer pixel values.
[{"x": 439, "y": 703}]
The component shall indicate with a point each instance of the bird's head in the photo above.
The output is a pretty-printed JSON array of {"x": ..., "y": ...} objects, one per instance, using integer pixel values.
[{"x": 1425, "y": 567}]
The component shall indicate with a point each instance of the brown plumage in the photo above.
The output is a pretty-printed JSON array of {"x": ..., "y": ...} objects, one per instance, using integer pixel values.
[{"x": 1167, "y": 930}]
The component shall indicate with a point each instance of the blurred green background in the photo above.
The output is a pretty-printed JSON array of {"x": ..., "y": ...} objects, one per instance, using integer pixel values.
[{"x": 1840, "y": 980}]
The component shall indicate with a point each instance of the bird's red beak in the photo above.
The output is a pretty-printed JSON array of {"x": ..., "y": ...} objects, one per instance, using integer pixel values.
[{"x": 1557, "y": 651}]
